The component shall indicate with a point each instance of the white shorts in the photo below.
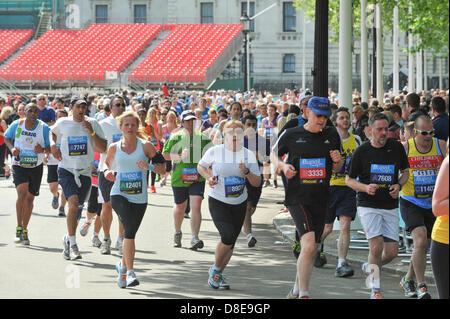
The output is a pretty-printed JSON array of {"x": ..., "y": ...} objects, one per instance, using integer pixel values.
[{"x": 379, "y": 222}]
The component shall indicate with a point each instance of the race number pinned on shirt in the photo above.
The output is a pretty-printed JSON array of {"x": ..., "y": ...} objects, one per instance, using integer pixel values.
[
  {"x": 424, "y": 181},
  {"x": 189, "y": 175},
  {"x": 312, "y": 170},
  {"x": 382, "y": 174},
  {"x": 234, "y": 186},
  {"x": 78, "y": 145},
  {"x": 28, "y": 158},
  {"x": 131, "y": 183}
]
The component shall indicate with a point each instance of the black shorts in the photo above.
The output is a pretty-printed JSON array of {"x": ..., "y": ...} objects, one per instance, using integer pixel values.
[
  {"x": 310, "y": 218},
  {"x": 181, "y": 194},
  {"x": 32, "y": 176},
  {"x": 415, "y": 216},
  {"x": 228, "y": 219},
  {"x": 254, "y": 194},
  {"x": 52, "y": 174},
  {"x": 130, "y": 214},
  {"x": 342, "y": 202},
  {"x": 168, "y": 166},
  {"x": 93, "y": 205},
  {"x": 105, "y": 186}
]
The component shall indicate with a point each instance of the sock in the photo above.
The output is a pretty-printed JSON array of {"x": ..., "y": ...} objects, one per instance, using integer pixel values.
[
  {"x": 249, "y": 236},
  {"x": 72, "y": 240},
  {"x": 129, "y": 271},
  {"x": 178, "y": 232},
  {"x": 303, "y": 293},
  {"x": 215, "y": 268},
  {"x": 295, "y": 289},
  {"x": 341, "y": 261},
  {"x": 106, "y": 238},
  {"x": 95, "y": 234}
]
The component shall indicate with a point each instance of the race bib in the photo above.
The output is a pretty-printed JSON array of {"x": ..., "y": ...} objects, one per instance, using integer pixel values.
[
  {"x": 189, "y": 175},
  {"x": 382, "y": 174},
  {"x": 312, "y": 170},
  {"x": 131, "y": 183},
  {"x": 234, "y": 186},
  {"x": 78, "y": 145},
  {"x": 28, "y": 158},
  {"x": 424, "y": 181}
]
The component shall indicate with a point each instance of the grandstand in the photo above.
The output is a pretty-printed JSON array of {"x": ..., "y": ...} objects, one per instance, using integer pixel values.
[{"x": 185, "y": 55}]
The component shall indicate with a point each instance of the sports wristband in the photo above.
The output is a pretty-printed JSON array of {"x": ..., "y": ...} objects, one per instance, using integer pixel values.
[{"x": 93, "y": 133}]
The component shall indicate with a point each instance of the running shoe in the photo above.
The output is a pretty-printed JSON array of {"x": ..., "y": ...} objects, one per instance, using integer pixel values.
[
  {"x": 96, "y": 242},
  {"x": 163, "y": 183},
  {"x": 321, "y": 259},
  {"x": 55, "y": 202},
  {"x": 131, "y": 279},
  {"x": 66, "y": 244},
  {"x": 74, "y": 252},
  {"x": 344, "y": 271},
  {"x": 186, "y": 215},
  {"x": 119, "y": 245},
  {"x": 106, "y": 247},
  {"x": 291, "y": 294},
  {"x": 376, "y": 294},
  {"x": 85, "y": 228},
  {"x": 266, "y": 183},
  {"x": 275, "y": 183},
  {"x": 422, "y": 292},
  {"x": 196, "y": 244},
  {"x": 303, "y": 297},
  {"x": 25, "y": 240},
  {"x": 251, "y": 242},
  {"x": 364, "y": 268},
  {"x": 216, "y": 280},
  {"x": 409, "y": 287},
  {"x": 152, "y": 189},
  {"x": 177, "y": 239},
  {"x": 18, "y": 238},
  {"x": 122, "y": 275},
  {"x": 61, "y": 212}
]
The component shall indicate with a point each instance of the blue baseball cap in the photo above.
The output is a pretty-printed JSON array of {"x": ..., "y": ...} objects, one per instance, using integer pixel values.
[{"x": 320, "y": 105}]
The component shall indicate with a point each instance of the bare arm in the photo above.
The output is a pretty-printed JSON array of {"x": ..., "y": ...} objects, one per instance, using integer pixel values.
[{"x": 440, "y": 195}]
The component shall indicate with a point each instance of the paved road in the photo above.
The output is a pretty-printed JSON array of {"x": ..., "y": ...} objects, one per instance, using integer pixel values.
[{"x": 266, "y": 271}]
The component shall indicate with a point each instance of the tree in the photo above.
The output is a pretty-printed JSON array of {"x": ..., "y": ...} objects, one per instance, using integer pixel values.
[{"x": 428, "y": 20}]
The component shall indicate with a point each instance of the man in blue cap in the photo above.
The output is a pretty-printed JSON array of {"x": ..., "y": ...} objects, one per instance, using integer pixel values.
[{"x": 314, "y": 153}]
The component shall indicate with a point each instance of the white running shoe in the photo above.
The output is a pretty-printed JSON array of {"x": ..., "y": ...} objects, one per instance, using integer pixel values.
[{"x": 106, "y": 247}]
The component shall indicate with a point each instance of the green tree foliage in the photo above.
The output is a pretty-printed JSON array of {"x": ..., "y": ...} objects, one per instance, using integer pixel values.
[{"x": 428, "y": 20}]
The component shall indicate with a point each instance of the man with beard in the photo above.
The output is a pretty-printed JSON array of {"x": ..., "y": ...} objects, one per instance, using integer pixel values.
[{"x": 374, "y": 174}]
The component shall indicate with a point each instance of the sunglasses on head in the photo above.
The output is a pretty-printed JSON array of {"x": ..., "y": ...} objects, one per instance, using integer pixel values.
[{"x": 425, "y": 133}]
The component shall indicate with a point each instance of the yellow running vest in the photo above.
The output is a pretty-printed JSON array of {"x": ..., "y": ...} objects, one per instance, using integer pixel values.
[
  {"x": 440, "y": 230},
  {"x": 422, "y": 174},
  {"x": 348, "y": 146}
]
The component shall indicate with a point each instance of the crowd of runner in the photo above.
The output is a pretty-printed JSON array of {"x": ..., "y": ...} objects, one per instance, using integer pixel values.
[{"x": 384, "y": 160}]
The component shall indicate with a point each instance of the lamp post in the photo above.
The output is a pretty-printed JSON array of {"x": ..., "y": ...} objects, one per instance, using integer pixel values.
[{"x": 245, "y": 21}]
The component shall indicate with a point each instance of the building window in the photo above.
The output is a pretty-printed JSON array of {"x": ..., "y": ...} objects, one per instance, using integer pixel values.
[
  {"x": 289, "y": 17},
  {"x": 101, "y": 13},
  {"x": 289, "y": 63},
  {"x": 140, "y": 13},
  {"x": 206, "y": 13},
  {"x": 250, "y": 14}
]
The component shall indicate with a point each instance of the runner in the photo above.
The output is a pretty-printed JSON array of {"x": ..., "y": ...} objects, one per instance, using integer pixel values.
[
  {"x": 169, "y": 128},
  {"x": 230, "y": 165},
  {"x": 184, "y": 148},
  {"x": 28, "y": 140},
  {"x": 342, "y": 204},
  {"x": 257, "y": 144},
  {"x": 373, "y": 174},
  {"x": 425, "y": 155},
  {"x": 52, "y": 174},
  {"x": 269, "y": 130},
  {"x": 113, "y": 134},
  {"x": 79, "y": 136},
  {"x": 313, "y": 154},
  {"x": 127, "y": 165},
  {"x": 94, "y": 208}
]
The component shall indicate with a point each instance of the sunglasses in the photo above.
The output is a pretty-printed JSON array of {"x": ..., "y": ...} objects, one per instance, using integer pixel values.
[
  {"x": 425, "y": 133},
  {"x": 119, "y": 104}
]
